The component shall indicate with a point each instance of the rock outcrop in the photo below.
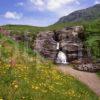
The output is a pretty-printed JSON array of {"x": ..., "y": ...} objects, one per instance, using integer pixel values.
[
  {"x": 86, "y": 65},
  {"x": 69, "y": 40},
  {"x": 46, "y": 45}
]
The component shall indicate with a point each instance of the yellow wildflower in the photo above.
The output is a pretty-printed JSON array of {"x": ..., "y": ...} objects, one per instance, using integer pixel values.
[
  {"x": 16, "y": 86},
  {"x": 23, "y": 97},
  {"x": 35, "y": 87}
]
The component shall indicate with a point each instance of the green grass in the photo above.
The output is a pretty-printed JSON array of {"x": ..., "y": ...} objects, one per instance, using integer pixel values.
[
  {"x": 98, "y": 73},
  {"x": 24, "y": 76},
  {"x": 23, "y": 28}
]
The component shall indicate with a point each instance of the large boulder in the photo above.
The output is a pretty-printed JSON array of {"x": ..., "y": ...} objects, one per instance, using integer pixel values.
[{"x": 87, "y": 65}]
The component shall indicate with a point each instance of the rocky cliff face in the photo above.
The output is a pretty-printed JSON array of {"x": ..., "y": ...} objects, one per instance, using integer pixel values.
[
  {"x": 66, "y": 46},
  {"x": 68, "y": 39},
  {"x": 46, "y": 45}
]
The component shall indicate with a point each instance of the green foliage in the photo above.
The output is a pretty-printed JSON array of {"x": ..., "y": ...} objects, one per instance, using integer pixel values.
[
  {"x": 22, "y": 30},
  {"x": 98, "y": 73},
  {"x": 1, "y": 35},
  {"x": 94, "y": 43}
]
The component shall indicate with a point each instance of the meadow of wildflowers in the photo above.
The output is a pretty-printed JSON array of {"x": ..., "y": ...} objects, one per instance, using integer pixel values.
[{"x": 25, "y": 76}]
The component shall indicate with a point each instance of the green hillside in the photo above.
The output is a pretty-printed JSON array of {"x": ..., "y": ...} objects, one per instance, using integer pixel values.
[
  {"x": 23, "y": 29},
  {"x": 87, "y": 14},
  {"x": 24, "y": 75}
]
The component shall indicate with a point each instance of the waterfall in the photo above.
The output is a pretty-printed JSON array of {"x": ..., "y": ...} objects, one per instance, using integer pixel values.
[
  {"x": 57, "y": 46},
  {"x": 61, "y": 58}
]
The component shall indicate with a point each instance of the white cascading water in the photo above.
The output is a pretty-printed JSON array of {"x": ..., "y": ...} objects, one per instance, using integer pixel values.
[
  {"x": 57, "y": 46},
  {"x": 61, "y": 57}
]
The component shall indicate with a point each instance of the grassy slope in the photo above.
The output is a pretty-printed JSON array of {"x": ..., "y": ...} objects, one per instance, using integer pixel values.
[
  {"x": 91, "y": 27},
  {"x": 24, "y": 76},
  {"x": 23, "y": 28}
]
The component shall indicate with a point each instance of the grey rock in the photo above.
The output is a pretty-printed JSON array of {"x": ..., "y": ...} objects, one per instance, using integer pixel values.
[
  {"x": 46, "y": 42},
  {"x": 70, "y": 41}
]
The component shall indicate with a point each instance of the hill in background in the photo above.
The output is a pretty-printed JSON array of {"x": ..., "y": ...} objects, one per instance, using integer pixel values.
[{"x": 87, "y": 14}]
